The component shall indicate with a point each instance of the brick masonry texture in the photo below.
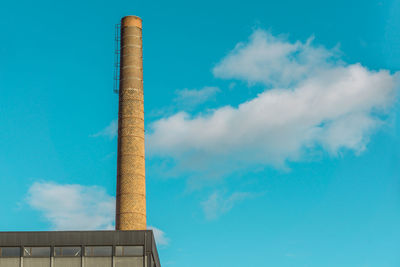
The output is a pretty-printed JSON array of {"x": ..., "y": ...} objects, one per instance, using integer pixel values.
[{"x": 131, "y": 181}]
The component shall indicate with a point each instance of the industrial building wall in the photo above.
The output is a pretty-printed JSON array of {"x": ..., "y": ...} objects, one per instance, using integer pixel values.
[
  {"x": 9, "y": 262},
  {"x": 36, "y": 262},
  {"x": 67, "y": 262},
  {"x": 97, "y": 261},
  {"x": 129, "y": 262},
  {"x": 74, "y": 262}
]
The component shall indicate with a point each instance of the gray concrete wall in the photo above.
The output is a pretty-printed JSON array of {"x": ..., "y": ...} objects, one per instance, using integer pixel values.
[
  {"x": 36, "y": 262},
  {"x": 9, "y": 262},
  {"x": 74, "y": 262},
  {"x": 67, "y": 262},
  {"x": 128, "y": 261},
  {"x": 97, "y": 261},
  {"x": 75, "y": 238}
]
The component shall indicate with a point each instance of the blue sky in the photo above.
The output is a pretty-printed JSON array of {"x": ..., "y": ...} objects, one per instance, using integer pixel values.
[{"x": 271, "y": 126}]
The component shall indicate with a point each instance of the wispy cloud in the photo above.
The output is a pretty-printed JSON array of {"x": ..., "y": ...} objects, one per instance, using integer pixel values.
[
  {"x": 186, "y": 99},
  {"x": 110, "y": 131},
  {"x": 72, "y": 206},
  {"x": 190, "y": 98},
  {"x": 316, "y": 102},
  {"x": 78, "y": 207},
  {"x": 275, "y": 61},
  {"x": 218, "y": 204},
  {"x": 160, "y": 237}
]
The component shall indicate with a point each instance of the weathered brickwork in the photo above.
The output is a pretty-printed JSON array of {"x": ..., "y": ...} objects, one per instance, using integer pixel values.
[{"x": 131, "y": 182}]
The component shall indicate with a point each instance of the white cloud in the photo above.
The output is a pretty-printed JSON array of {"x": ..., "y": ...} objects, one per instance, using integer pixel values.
[
  {"x": 218, "y": 204},
  {"x": 273, "y": 60},
  {"x": 110, "y": 131},
  {"x": 73, "y": 207},
  {"x": 78, "y": 207},
  {"x": 186, "y": 99},
  {"x": 320, "y": 102},
  {"x": 160, "y": 237},
  {"x": 189, "y": 98}
]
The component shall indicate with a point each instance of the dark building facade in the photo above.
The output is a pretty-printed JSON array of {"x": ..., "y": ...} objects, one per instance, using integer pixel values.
[{"x": 78, "y": 249}]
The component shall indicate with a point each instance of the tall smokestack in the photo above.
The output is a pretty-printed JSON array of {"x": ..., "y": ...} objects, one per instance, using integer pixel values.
[{"x": 131, "y": 182}]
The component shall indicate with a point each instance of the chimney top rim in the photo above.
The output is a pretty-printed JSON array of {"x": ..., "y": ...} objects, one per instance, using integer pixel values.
[{"x": 129, "y": 21}]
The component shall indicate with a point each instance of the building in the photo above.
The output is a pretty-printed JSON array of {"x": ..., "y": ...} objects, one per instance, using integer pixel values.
[
  {"x": 78, "y": 249},
  {"x": 130, "y": 245}
]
